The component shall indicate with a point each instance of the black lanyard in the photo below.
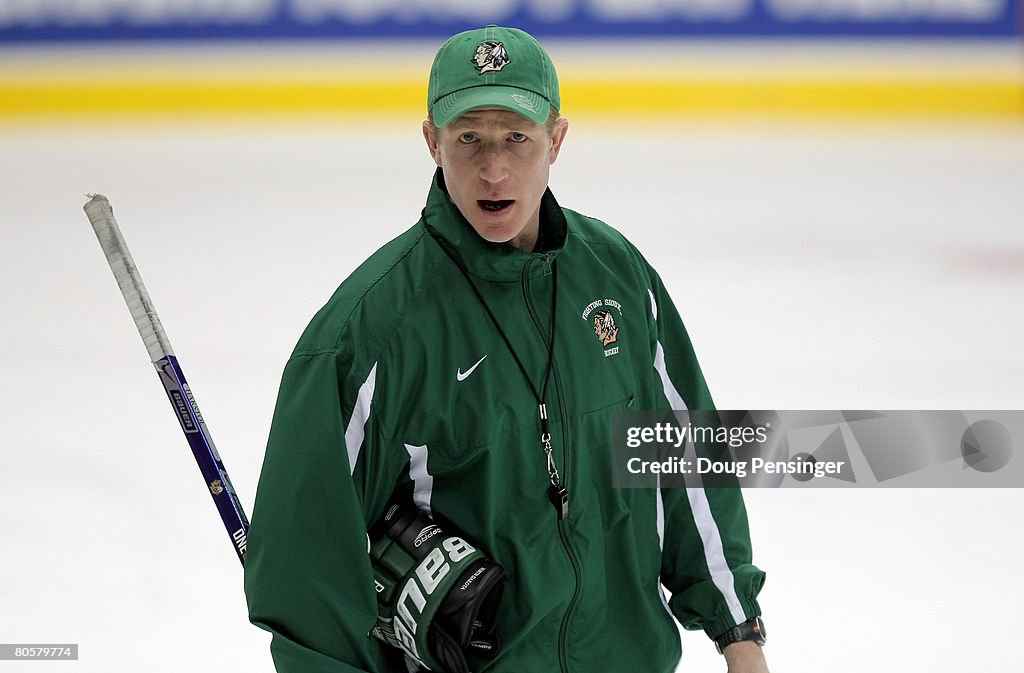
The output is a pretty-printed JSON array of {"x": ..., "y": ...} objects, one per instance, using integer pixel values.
[{"x": 557, "y": 493}]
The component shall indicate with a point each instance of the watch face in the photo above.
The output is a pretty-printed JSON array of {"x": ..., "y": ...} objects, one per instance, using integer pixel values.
[{"x": 762, "y": 635}]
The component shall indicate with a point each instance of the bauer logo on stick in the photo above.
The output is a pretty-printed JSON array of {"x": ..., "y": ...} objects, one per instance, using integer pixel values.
[{"x": 490, "y": 57}]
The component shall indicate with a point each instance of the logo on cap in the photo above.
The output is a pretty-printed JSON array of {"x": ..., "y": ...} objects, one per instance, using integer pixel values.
[
  {"x": 490, "y": 57},
  {"x": 525, "y": 102}
]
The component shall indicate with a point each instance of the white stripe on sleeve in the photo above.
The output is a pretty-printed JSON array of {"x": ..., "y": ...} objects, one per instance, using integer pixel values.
[
  {"x": 714, "y": 552},
  {"x": 423, "y": 482},
  {"x": 354, "y": 433},
  {"x": 659, "y": 505}
]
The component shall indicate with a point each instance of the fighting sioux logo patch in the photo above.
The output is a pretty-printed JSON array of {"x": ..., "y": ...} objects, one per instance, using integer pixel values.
[
  {"x": 490, "y": 57},
  {"x": 605, "y": 328},
  {"x": 601, "y": 314}
]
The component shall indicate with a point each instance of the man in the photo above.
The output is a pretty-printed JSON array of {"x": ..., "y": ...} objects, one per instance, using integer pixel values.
[{"x": 458, "y": 366}]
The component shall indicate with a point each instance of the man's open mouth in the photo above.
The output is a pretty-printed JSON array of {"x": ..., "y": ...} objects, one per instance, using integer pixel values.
[{"x": 495, "y": 206}]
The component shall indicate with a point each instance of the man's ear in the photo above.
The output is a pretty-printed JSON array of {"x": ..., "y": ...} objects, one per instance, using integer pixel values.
[
  {"x": 430, "y": 133},
  {"x": 561, "y": 128}
]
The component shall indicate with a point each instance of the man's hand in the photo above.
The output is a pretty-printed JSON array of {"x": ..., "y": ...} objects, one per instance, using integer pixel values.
[{"x": 745, "y": 657}]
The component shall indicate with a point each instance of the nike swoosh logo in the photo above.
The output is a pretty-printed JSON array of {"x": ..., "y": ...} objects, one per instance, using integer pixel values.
[{"x": 463, "y": 375}]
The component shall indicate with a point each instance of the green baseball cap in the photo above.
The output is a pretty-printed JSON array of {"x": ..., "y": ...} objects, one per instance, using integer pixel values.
[{"x": 492, "y": 67}]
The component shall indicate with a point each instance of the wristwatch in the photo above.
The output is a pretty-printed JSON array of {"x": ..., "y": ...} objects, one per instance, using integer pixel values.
[{"x": 752, "y": 629}]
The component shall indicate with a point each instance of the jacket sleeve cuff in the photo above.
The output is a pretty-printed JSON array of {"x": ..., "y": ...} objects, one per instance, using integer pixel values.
[{"x": 721, "y": 623}]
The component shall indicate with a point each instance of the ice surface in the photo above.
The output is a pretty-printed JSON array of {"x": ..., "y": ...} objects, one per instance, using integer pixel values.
[{"x": 815, "y": 266}]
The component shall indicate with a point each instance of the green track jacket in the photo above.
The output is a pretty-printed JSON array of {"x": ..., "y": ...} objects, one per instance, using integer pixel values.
[{"x": 402, "y": 380}]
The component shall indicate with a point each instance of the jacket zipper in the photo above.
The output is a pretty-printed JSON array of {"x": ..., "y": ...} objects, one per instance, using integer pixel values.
[{"x": 562, "y": 533}]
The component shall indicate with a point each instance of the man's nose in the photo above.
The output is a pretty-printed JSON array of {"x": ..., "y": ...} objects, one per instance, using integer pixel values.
[{"x": 494, "y": 168}]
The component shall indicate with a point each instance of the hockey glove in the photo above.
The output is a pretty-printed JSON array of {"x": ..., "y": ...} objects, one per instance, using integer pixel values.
[{"x": 437, "y": 595}]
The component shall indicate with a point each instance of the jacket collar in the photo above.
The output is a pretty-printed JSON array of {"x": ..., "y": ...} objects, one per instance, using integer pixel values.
[{"x": 485, "y": 260}]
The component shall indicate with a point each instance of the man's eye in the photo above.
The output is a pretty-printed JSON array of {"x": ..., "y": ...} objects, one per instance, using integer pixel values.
[
  {"x": 518, "y": 137},
  {"x": 467, "y": 137}
]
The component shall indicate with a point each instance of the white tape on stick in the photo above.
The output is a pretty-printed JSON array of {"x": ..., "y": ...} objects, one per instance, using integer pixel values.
[{"x": 101, "y": 216}]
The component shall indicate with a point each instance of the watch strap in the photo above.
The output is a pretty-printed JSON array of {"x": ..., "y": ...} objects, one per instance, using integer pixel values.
[{"x": 752, "y": 629}]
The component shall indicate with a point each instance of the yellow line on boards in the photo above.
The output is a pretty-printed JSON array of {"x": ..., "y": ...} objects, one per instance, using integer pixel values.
[
  {"x": 697, "y": 96},
  {"x": 808, "y": 96}
]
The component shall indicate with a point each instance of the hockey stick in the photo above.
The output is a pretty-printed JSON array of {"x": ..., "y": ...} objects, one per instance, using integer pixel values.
[{"x": 101, "y": 216}]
